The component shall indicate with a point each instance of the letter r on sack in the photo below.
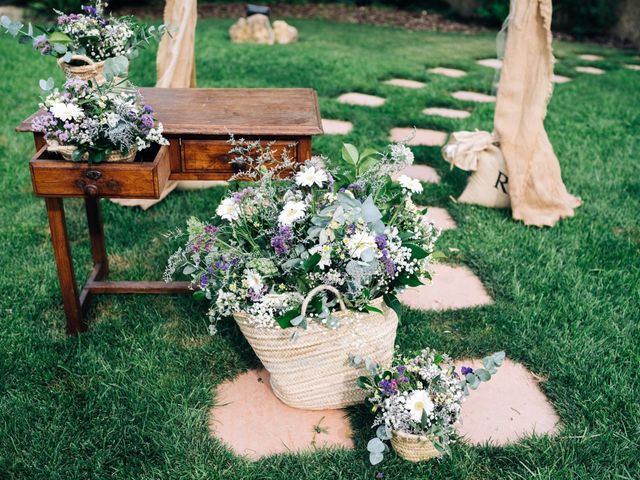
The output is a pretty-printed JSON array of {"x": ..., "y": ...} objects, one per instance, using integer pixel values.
[{"x": 502, "y": 180}]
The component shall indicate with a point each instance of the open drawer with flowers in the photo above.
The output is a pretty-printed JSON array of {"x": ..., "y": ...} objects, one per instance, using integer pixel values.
[{"x": 145, "y": 177}]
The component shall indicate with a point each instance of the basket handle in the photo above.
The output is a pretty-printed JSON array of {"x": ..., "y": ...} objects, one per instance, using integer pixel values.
[
  {"x": 315, "y": 291},
  {"x": 82, "y": 58}
]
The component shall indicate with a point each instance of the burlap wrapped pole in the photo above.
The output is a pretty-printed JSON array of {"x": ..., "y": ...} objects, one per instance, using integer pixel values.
[{"x": 538, "y": 194}]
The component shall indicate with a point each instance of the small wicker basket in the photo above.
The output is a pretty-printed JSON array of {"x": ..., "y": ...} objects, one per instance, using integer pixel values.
[
  {"x": 313, "y": 370},
  {"x": 66, "y": 151},
  {"x": 415, "y": 448},
  {"x": 87, "y": 70}
]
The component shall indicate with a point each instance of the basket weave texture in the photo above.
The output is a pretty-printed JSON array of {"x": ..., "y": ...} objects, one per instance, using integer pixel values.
[
  {"x": 312, "y": 371},
  {"x": 89, "y": 70},
  {"x": 66, "y": 151},
  {"x": 415, "y": 448}
]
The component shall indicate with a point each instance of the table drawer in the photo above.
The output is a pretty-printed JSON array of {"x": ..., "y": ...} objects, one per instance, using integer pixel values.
[
  {"x": 213, "y": 155},
  {"x": 144, "y": 178}
]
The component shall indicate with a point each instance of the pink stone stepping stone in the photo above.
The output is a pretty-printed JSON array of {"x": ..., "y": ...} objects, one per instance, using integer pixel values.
[
  {"x": 507, "y": 408},
  {"x": 452, "y": 288},
  {"x": 419, "y": 136},
  {"x": 491, "y": 63},
  {"x": 589, "y": 57},
  {"x": 361, "y": 99},
  {"x": 401, "y": 82},
  {"x": 560, "y": 79},
  {"x": 448, "y": 72},
  {"x": 424, "y": 173},
  {"x": 631, "y": 66},
  {"x": 473, "y": 97},
  {"x": 253, "y": 422},
  {"x": 336, "y": 127},
  {"x": 590, "y": 70},
  {"x": 446, "y": 112},
  {"x": 440, "y": 217}
]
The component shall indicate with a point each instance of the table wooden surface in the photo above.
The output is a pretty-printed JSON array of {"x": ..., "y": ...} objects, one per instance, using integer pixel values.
[{"x": 197, "y": 123}]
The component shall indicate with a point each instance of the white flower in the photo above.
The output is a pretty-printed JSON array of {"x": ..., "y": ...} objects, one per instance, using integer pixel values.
[
  {"x": 66, "y": 111},
  {"x": 112, "y": 119},
  {"x": 418, "y": 402},
  {"x": 401, "y": 153},
  {"x": 228, "y": 210},
  {"x": 292, "y": 211},
  {"x": 307, "y": 176},
  {"x": 411, "y": 184},
  {"x": 359, "y": 242},
  {"x": 254, "y": 281}
]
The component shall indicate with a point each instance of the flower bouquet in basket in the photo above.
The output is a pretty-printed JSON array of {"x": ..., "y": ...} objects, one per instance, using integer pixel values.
[
  {"x": 417, "y": 403},
  {"x": 88, "y": 44},
  {"x": 309, "y": 265},
  {"x": 87, "y": 121}
]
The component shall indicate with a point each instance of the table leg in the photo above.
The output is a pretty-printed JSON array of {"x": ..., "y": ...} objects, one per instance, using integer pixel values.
[
  {"x": 64, "y": 264},
  {"x": 96, "y": 232}
]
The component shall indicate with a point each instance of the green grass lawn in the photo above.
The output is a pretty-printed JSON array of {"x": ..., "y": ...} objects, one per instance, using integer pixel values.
[{"x": 129, "y": 399}]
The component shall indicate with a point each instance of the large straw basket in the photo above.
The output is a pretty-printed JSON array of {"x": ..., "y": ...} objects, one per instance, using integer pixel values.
[
  {"x": 312, "y": 370},
  {"x": 66, "y": 151},
  {"x": 415, "y": 448},
  {"x": 83, "y": 67}
]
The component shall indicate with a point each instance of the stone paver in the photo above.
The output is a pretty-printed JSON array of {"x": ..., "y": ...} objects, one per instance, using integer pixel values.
[
  {"x": 452, "y": 288},
  {"x": 508, "y": 407},
  {"x": 440, "y": 217},
  {"x": 253, "y": 422},
  {"x": 446, "y": 112},
  {"x": 448, "y": 72},
  {"x": 419, "y": 136},
  {"x": 336, "y": 127},
  {"x": 560, "y": 79},
  {"x": 631, "y": 66},
  {"x": 589, "y": 57},
  {"x": 404, "y": 83},
  {"x": 590, "y": 70},
  {"x": 491, "y": 63},
  {"x": 361, "y": 99},
  {"x": 424, "y": 173},
  {"x": 473, "y": 97}
]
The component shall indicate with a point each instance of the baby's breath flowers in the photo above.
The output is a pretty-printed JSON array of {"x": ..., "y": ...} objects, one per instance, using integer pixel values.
[{"x": 273, "y": 242}]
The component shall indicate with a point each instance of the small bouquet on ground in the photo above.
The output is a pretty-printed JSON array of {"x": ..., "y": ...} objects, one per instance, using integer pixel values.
[
  {"x": 87, "y": 121},
  {"x": 89, "y": 43},
  {"x": 417, "y": 403},
  {"x": 349, "y": 227}
]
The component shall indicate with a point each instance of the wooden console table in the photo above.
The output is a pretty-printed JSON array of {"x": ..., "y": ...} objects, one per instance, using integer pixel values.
[{"x": 197, "y": 123}]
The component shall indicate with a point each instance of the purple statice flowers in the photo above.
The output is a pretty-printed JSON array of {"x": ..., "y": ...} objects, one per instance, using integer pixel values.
[{"x": 279, "y": 242}]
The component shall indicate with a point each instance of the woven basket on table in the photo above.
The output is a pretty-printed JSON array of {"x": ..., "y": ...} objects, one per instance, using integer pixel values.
[
  {"x": 66, "y": 151},
  {"x": 415, "y": 448},
  {"x": 88, "y": 70},
  {"x": 312, "y": 370}
]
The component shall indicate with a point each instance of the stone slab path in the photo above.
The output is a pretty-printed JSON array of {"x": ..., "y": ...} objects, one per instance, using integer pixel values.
[
  {"x": 560, "y": 79},
  {"x": 590, "y": 70},
  {"x": 507, "y": 408},
  {"x": 424, "y": 173},
  {"x": 440, "y": 217},
  {"x": 452, "y": 288},
  {"x": 336, "y": 127},
  {"x": 446, "y": 112},
  {"x": 448, "y": 72},
  {"x": 419, "y": 136},
  {"x": 631, "y": 66},
  {"x": 361, "y": 99},
  {"x": 491, "y": 63},
  {"x": 254, "y": 423},
  {"x": 467, "y": 96},
  {"x": 404, "y": 83},
  {"x": 589, "y": 57}
]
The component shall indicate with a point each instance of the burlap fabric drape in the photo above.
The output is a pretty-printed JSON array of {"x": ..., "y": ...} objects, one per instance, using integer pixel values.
[{"x": 538, "y": 194}]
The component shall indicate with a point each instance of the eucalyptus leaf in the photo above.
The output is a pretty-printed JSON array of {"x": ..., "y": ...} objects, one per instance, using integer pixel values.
[
  {"x": 47, "y": 84},
  {"x": 383, "y": 433},
  {"x": 297, "y": 320},
  {"x": 376, "y": 458},
  {"x": 350, "y": 154},
  {"x": 482, "y": 374},
  {"x": 188, "y": 270},
  {"x": 498, "y": 358},
  {"x": 375, "y": 445},
  {"x": 115, "y": 67}
]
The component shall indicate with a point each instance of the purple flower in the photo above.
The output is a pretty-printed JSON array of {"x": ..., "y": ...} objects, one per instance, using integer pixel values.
[
  {"x": 91, "y": 10},
  {"x": 204, "y": 281},
  {"x": 211, "y": 229},
  {"x": 234, "y": 261},
  {"x": 351, "y": 229},
  {"x": 40, "y": 42},
  {"x": 381, "y": 241},
  {"x": 389, "y": 387},
  {"x": 279, "y": 245},
  {"x": 466, "y": 370},
  {"x": 222, "y": 265},
  {"x": 147, "y": 109},
  {"x": 379, "y": 475},
  {"x": 286, "y": 232},
  {"x": 64, "y": 137},
  {"x": 147, "y": 121}
]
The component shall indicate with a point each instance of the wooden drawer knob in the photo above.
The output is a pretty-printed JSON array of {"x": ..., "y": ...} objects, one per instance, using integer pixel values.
[{"x": 91, "y": 190}]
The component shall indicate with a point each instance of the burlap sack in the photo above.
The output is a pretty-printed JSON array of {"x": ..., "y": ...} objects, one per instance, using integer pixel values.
[{"x": 477, "y": 152}]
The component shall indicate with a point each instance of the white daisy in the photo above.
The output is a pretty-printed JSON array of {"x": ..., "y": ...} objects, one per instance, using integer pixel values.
[
  {"x": 359, "y": 242},
  {"x": 254, "y": 281},
  {"x": 418, "y": 402},
  {"x": 411, "y": 184},
  {"x": 307, "y": 176},
  {"x": 66, "y": 111},
  {"x": 292, "y": 211},
  {"x": 228, "y": 210}
]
